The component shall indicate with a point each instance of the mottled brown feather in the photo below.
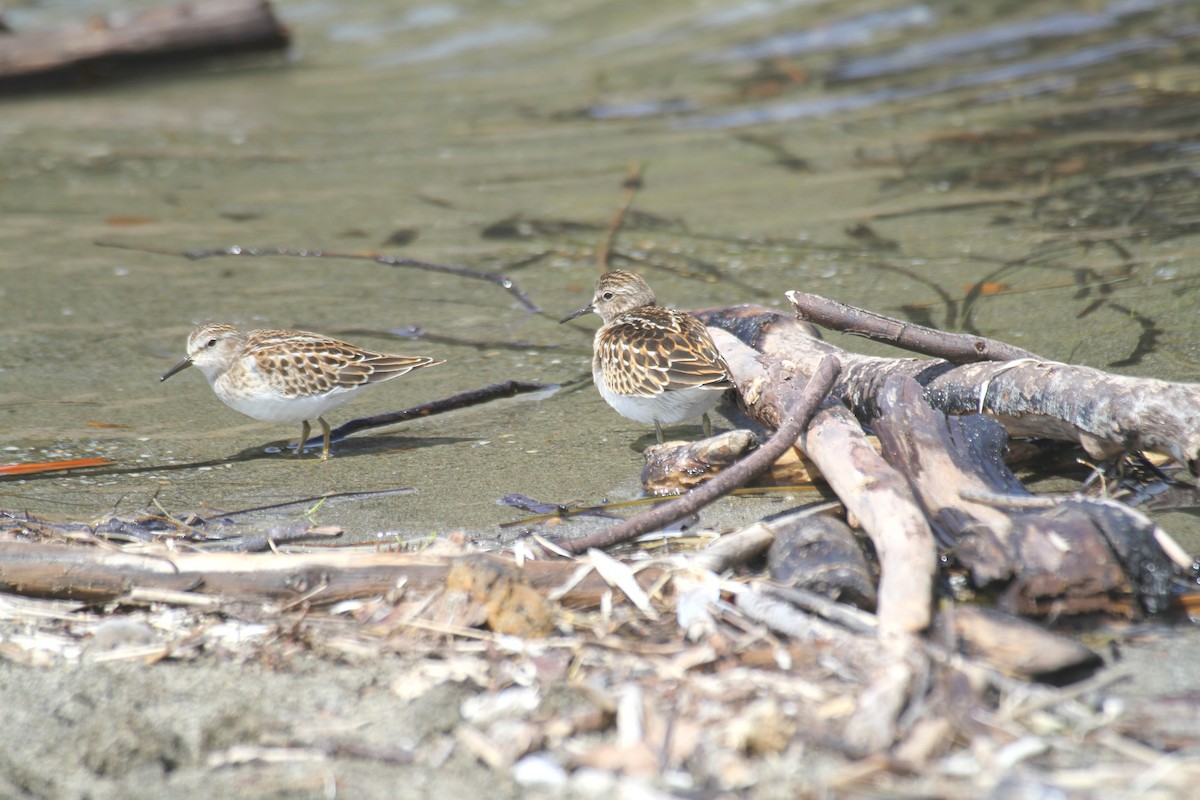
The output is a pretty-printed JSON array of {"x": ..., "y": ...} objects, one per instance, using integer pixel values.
[
  {"x": 324, "y": 362},
  {"x": 651, "y": 349}
]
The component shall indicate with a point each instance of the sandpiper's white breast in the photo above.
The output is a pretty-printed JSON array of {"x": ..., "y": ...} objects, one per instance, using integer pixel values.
[
  {"x": 665, "y": 408},
  {"x": 270, "y": 405}
]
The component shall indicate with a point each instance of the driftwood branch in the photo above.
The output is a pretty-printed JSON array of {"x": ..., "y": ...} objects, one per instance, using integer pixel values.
[
  {"x": 101, "y": 48},
  {"x": 94, "y": 575},
  {"x": 954, "y": 347},
  {"x": 1107, "y": 414},
  {"x": 871, "y": 490},
  {"x": 945, "y": 467},
  {"x": 799, "y": 409}
]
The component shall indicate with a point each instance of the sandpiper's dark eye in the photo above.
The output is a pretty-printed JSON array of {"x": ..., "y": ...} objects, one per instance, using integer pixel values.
[
  {"x": 606, "y": 296},
  {"x": 211, "y": 343}
]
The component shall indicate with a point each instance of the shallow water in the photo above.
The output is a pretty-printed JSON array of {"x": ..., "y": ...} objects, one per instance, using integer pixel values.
[{"x": 1039, "y": 188}]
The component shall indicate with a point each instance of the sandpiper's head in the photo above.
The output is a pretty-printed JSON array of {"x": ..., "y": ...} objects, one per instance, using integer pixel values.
[
  {"x": 616, "y": 292},
  {"x": 211, "y": 348}
]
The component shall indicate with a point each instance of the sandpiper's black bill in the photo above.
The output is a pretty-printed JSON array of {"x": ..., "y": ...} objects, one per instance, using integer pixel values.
[
  {"x": 182, "y": 365},
  {"x": 577, "y": 313}
]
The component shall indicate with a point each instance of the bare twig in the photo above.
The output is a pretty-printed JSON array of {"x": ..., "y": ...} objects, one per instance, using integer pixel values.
[{"x": 803, "y": 406}]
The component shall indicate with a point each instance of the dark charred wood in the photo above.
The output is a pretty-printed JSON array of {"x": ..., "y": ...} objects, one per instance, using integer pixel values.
[
  {"x": 1051, "y": 560},
  {"x": 822, "y": 555}
]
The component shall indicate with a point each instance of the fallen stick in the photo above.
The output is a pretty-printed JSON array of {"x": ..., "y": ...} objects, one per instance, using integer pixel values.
[
  {"x": 495, "y": 391},
  {"x": 103, "y": 47},
  {"x": 799, "y": 410}
]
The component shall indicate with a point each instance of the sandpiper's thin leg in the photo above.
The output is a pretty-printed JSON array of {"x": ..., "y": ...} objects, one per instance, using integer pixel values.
[
  {"x": 658, "y": 431},
  {"x": 704, "y": 420},
  {"x": 304, "y": 431},
  {"x": 325, "y": 449}
]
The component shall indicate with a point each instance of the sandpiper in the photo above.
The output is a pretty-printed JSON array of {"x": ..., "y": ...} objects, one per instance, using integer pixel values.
[
  {"x": 288, "y": 376},
  {"x": 650, "y": 363}
]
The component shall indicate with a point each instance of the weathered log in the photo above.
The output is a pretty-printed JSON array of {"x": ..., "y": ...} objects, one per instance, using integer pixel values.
[
  {"x": 103, "y": 48},
  {"x": 1107, "y": 414},
  {"x": 95, "y": 575},
  {"x": 871, "y": 490}
]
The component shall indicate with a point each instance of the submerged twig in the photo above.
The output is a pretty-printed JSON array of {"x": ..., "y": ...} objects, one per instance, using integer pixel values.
[
  {"x": 503, "y": 281},
  {"x": 545, "y": 510},
  {"x": 803, "y": 406}
]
